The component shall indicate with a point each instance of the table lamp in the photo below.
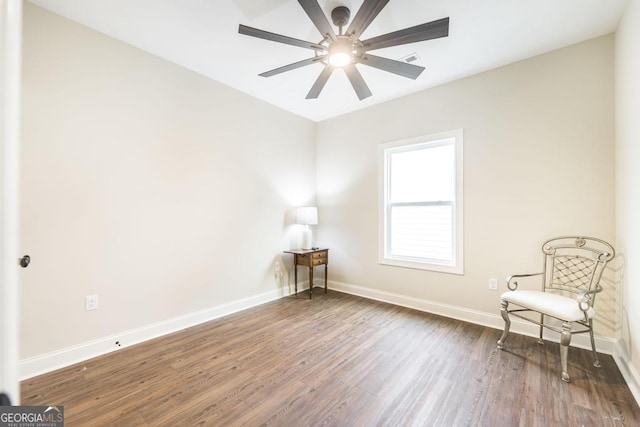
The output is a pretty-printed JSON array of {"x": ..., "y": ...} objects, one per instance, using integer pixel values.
[{"x": 307, "y": 216}]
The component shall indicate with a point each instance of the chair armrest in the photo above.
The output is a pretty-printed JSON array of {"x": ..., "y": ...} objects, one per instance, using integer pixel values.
[
  {"x": 512, "y": 282},
  {"x": 585, "y": 301}
]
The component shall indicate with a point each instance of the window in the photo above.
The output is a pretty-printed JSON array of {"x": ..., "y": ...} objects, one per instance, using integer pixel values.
[{"x": 421, "y": 203}]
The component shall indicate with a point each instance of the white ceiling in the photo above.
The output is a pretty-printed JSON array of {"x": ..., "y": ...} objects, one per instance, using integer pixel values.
[{"x": 202, "y": 35}]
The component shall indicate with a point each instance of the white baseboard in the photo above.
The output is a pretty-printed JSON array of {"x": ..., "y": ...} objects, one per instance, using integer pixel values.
[
  {"x": 48, "y": 362},
  {"x": 492, "y": 320},
  {"x": 629, "y": 372}
]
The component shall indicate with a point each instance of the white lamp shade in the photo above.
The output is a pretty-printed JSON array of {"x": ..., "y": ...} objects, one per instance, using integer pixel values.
[{"x": 307, "y": 215}]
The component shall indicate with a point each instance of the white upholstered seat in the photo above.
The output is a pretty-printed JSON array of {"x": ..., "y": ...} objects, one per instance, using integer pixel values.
[{"x": 554, "y": 305}]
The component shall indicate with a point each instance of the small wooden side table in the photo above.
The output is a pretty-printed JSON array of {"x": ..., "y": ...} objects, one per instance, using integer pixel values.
[{"x": 310, "y": 258}]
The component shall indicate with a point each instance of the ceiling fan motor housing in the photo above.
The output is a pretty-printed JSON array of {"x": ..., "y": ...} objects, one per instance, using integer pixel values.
[{"x": 340, "y": 16}]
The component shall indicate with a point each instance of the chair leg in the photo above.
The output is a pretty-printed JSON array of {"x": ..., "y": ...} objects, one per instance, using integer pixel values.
[
  {"x": 540, "y": 340},
  {"x": 565, "y": 340},
  {"x": 596, "y": 362},
  {"x": 507, "y": 323}
]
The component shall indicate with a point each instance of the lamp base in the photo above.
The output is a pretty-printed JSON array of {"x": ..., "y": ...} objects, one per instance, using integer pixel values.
[{"x": 306, "y": 239}]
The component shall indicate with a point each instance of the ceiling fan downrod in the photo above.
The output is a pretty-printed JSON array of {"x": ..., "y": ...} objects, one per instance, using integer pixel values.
[{"x": 340, "y": 17}]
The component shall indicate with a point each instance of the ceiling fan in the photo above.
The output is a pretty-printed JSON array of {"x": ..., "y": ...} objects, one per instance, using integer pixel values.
[{"x": 344, "y": 50}]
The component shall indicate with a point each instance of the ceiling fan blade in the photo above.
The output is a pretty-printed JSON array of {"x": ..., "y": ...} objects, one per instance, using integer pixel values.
[
  {"x": 358, "y": 83},
  {"x": 320, "y": 82},
  {"x": 319, "y": 19},
  {"x": 397, "y": 67},
  {"x": 366, "y": 14},
  {"x": 428, "y": 31},
  {"x": 293, "y": 66},
  {"x": 261, "y": 34}
]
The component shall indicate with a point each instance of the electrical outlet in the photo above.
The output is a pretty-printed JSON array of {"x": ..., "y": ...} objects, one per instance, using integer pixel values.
[
  {"x": 493, "y": 283},
  {"x": 91, "y": 302}
]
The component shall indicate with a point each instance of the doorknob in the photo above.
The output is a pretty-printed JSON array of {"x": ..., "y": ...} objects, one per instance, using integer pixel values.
[{"x": 24, "y": 261}]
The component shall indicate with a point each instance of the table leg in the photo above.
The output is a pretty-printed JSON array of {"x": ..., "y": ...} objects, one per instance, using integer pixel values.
[
  {"x": 295, "y": 275},
  {"x": 310, "y": 281},
  {"x": 325, "y": 278}
]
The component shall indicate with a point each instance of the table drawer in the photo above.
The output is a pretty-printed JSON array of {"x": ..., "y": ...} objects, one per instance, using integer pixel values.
[
  {"x": 318, "y": 261},
  {"x": 313, "y": 259},
  {"x": 321, "y": 254}
]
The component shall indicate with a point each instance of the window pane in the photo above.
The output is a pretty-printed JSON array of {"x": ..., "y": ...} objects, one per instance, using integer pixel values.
[
  {"x": 424, "y": 232},
  {"x": 423, "y": 174}
]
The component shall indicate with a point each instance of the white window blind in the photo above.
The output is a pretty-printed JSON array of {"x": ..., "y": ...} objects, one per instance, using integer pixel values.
[{"x": 422, "y": 232}]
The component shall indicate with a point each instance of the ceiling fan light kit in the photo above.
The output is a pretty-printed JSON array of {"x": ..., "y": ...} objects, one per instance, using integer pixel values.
[
  {"x": 340, "y": 52},
  {"x": 344, "y": 50}
]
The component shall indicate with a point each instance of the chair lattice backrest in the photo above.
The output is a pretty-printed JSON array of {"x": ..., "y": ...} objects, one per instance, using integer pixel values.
[{"x": 575, "y": 264}]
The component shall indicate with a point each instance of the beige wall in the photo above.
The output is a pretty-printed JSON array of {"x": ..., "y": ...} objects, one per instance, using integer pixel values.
[
  {"x": 538, "y": 162},
  {"x": 628, "y": 182},
  {"x": 161, "y": 191}
]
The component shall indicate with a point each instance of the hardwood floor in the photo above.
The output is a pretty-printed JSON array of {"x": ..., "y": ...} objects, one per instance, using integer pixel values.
[{"x": 337, "y": 360}]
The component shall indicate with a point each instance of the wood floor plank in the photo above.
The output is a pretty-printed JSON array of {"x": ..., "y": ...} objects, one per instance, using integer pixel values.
[{"x": 337, "y": 360}]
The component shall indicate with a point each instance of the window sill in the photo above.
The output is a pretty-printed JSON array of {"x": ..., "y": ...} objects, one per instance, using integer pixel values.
[{"x": 438, "y": 268}]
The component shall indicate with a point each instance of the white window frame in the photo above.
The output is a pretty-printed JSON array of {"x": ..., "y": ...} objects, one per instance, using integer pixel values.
[{"x": 384, "y": 152}]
